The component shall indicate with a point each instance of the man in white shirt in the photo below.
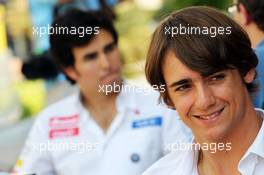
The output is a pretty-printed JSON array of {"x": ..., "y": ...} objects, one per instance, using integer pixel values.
[
  {"x": 208, "y": 71},
  {"x": 109, "y": 127}
]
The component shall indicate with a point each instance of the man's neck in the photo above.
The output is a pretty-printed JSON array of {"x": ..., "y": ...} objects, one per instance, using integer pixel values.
[
  {"x": 226, "y": 162},
  {"x": 99, "y": 101},
  {"x": 102, "y": 108}
]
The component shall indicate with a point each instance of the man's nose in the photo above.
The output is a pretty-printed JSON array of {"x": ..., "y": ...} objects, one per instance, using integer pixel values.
[
  {"x": 204, "y": 97},
  {"x": 104, "y": 61}
]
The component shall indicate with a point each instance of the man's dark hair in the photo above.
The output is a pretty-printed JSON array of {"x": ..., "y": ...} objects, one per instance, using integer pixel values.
[
  {"x": 200, "y": 52},
  {"x": 62, "y": 43},
  {"x": 255, "y": 8}
]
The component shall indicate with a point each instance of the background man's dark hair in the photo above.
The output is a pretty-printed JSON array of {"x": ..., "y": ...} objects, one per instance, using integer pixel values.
[
  {"x": 200, "y": 52},
  {"x": 63, "y": 44},
  {"x": 255, "y": 8}
]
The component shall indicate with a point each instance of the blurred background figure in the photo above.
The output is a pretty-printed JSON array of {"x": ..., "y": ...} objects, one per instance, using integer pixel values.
[
  {"x": 40, "y": 64},
  {"x": 250, "y": 15},
  {"x": 51, "y": 9}
]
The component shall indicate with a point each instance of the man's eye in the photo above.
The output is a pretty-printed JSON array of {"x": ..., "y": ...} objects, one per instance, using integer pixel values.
[
  {"x": 91, "y": 56},
  {"x": 109, "y": 48},
  {"x": 217, "y": 77},
  {"x": 183, "y": 87}
]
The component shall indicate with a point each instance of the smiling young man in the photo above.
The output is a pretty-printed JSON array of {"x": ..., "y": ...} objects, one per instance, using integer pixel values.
[
  {"x": 119, "y": 133},
  {"x": 208, "y": 81}
]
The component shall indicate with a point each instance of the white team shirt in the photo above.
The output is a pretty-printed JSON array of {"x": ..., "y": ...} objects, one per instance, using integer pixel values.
[
  {"x": 65, "y": 140},
  {"x": 184, "y": 162}
]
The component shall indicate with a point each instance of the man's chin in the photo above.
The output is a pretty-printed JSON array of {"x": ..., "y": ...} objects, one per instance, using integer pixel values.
[
  {"x": 112, "y": 82},
  {"x": 111, "y": 87}
]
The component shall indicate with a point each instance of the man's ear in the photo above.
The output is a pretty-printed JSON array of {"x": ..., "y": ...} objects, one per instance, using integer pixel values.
[
  {"x": 250, "y": 76},
  {"x": 71, "y": 72},
  {"x": 245, "y": 17}
]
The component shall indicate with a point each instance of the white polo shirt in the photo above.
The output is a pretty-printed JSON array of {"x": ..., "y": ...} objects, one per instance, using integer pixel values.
[
  {"x": 66, "y": 140},
  {"x": 184, "y": 162}
]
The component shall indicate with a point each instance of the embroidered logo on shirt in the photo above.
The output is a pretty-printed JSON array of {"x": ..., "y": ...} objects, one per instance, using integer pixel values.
[
  {"x": 63, "y": 121},
  {"x": 63, "y": 132},
  {"x": 156, "y": 121},
  {"x": 64, "y": 126}
]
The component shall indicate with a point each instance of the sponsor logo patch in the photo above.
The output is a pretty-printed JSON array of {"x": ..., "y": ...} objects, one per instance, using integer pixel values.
[
  {"x": 64, "y": 126},
  {"x": 63, "y": 132},
  {"x": 155, "y": 121}
]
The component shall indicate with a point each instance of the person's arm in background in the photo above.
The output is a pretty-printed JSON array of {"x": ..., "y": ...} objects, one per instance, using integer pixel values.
[{"x": 258, "y": 97}]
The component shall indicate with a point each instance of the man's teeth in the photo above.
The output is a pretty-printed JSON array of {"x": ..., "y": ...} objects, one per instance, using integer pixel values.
[{"x": 209, "y": 116}]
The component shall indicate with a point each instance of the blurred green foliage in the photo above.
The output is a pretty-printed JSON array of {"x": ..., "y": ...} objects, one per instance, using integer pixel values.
[
  {"x": 172, "y": 5},
  {"x": 31, "y": 95},
  {"x": 135, "y": 26},
  {"x": 134, "y": 29}
]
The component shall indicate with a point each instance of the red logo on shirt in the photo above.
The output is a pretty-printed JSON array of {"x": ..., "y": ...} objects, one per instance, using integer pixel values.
[
  {"x": 63, "y": 132},
  {"x": 64, "y": 126}
]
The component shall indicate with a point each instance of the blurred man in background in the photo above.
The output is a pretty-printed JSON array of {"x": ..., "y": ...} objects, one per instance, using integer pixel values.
[
  {"x": 44, "y": 11},
  {"x": 40, "y": 64},
  {"x": 99, "y": 130}
]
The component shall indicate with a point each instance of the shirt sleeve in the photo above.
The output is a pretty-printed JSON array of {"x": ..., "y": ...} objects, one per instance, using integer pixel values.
[
  {"x": 35, "y": 158},
  {"x": 258, "y": 97},
  {"x": 175, "y": 133}
]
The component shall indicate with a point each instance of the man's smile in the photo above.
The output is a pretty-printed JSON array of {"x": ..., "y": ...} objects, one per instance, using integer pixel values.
[{"x": 210, "y": 116}]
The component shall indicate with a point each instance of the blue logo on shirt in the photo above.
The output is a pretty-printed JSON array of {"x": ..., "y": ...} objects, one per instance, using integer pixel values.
[{"x": 156, "y": 121}]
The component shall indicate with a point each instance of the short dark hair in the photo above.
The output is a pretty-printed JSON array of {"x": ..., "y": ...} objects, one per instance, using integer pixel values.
[
  {"x": 202, "y": 53},
  {"x": 255, "y": 9},
  {"x": 63, "y": 44}
]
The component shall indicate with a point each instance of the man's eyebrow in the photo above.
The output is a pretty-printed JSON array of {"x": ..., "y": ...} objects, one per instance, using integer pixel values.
[
  {"x": 180, "y": 82},
  {"x": 109, "y": 44},
  {"x": 90, "y": 54}
]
